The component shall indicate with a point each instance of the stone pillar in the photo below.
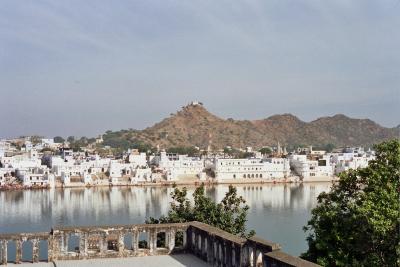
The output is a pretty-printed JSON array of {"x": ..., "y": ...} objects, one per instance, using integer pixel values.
[
  {"x": 18, "y": 251},
  {"x": 217, "y": 253},
  {"x": 223, "y": 246},
  {"x": 135, "y": 241},
  {"x": 203, "y": 237},
  {"x": 35, "y": 250},
  {"x": 195, "y": 246},
  {"x": 245, "y": 256},
  {"x": 189, "y": 233},
  {"x": 121, "y": 245},
  {"x": 152, "y": 241},
  {"x": 103, "y": 244},
  {"x": 184, "y": 239},
  {"x": 254, "y": 256},
  {"x": 66, "y": 240},
  {"x": 170, "y": 236},
  {"x": 50, "y": 245},
  {"x": 229, "y": 254},
  {"x": 239, "y": 255},
  {"x": 210, "y": 249},
  {"x": 3, "y": 248},
  {"x": 83, "y": 245},
  {"x": 62, "y": 242}
]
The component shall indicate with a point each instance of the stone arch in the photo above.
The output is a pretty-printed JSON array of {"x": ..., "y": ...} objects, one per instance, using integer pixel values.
[
  {"x": 143, "y": 240},
  {"x": 27, "y": 251},
  {"x": 162, "y": 239},
  {"x": 128, "y": 237},
  {"x": 43, "y": 250},
  {"x": 179, "y": 239},
  {"x": 73, "y": 242},
  {"x": 11, "y": 250}
]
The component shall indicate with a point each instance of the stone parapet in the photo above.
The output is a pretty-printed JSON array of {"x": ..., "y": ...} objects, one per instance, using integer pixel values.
[{"x": 213, "y": 245}]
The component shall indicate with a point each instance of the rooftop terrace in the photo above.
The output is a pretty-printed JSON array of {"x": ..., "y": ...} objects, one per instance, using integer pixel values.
[{"x": 178, "y": 244}]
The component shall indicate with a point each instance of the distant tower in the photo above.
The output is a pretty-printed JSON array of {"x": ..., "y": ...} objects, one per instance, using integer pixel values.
[{"x": 279, "y": 151}]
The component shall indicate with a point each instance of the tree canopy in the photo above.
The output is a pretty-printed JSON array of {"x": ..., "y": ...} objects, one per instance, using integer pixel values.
[
  {"x": 265, "y": 151},
  {"x": 58, "y": 139},
  {"x": 229, "y": 215},
  {"x": 358, "y": 222},
  {"x": 191, "y": 151}
]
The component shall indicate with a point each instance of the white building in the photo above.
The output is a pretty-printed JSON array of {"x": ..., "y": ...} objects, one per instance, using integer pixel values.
[
  {"x": 137, "y": 159},
  {"x": 179, "y": 166},
  {"x": 352, "y": 159},
  {"x": 28, "y": 159},
  {"x": 141, "y": 175},
  {"x": 251, "y": 168},
  {"x": 36, "y": 177},
  {"x": 308, "y": 168}
]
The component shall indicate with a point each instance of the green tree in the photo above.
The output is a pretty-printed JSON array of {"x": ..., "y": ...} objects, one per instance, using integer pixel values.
[
  {"x": 329, "y": 147},
  {"x": 190, "y": 150},
  {"x": 229, "y": 215},
  {"x": 71, "y": 139},
  {"x": 265, "y": 151},
  {"x": 358, "y": 222},
  {"x": 58, "y": 139}
]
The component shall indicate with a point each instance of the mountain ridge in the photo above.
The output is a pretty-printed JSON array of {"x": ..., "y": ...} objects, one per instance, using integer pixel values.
[{"x": 194, "y": 125}]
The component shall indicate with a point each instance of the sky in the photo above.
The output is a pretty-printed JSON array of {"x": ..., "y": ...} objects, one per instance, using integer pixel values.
[{"x": 83, "y": 67}]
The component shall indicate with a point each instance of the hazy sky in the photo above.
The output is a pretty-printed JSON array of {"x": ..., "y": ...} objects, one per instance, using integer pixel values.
[{"x": 82, "y": 67}]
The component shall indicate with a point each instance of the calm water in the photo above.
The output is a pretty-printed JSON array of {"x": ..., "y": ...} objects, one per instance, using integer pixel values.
[{"x": 278, "y": 212}]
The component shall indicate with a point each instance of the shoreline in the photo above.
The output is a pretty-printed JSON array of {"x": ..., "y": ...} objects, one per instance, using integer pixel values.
[{"x": 289, "y": 180}]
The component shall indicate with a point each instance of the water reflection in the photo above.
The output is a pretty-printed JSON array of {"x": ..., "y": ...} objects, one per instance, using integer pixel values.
[{"x": 277, "y": 211}]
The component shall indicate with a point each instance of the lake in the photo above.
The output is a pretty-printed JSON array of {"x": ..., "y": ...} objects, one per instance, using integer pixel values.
[{"x": 277, "y": 211}]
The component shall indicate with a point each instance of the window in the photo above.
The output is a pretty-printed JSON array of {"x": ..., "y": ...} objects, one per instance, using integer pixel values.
[
  {"x": 260, "y": 175},
  {"x": 234, "y": 176}
]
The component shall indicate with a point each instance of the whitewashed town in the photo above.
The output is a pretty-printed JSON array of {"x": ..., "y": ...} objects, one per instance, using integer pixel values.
[{"x": 48, "y": 164}]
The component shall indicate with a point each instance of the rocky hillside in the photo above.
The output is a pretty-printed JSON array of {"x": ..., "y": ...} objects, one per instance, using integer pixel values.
[{"x": 194, "y": 125}]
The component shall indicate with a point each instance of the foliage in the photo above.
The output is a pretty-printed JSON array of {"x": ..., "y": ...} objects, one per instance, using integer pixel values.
[
  {"x": 229, "y": 215},
  {"x": 358, "y": 222},
  {"x": 237, "y": 154},
  {"x": 244, "y": 155},
  {"x": 58, "y": 139},
  {"x": 124, "y": 140},
  {"x": 327, "y": 147},
  {"x": 265, "y": 151},
  {"x": 182, "y": 150}
]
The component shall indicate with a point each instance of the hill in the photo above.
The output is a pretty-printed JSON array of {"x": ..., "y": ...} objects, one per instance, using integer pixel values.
[{"x": 193, "y": 125}]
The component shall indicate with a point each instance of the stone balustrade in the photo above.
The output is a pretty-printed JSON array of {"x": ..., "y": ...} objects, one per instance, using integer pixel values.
[{"x": 216, "y": 247}]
